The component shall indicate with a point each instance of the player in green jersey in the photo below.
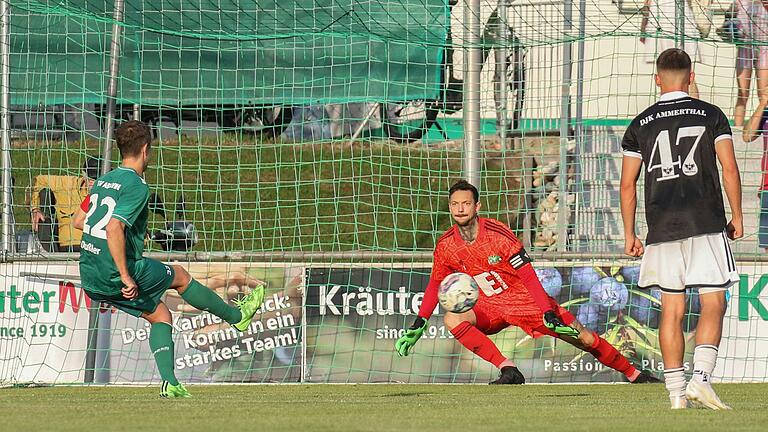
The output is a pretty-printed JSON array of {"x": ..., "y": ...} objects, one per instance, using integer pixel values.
[{"x": 113, "y": 270}]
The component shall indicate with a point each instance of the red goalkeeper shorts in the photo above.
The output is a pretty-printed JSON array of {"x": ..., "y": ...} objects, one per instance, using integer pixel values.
[{"x": 491, "y": 320}]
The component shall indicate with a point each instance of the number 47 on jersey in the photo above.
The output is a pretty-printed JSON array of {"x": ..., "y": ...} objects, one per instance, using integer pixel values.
[{"x": 663, "y": 147}]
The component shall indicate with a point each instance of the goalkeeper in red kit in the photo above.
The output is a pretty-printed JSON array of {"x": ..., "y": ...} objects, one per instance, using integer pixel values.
[{"x": 510, "y": 294}]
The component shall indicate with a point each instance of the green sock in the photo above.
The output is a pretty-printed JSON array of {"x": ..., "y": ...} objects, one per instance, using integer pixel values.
[
  {"x": 161, "y": 344},
  {"x": 201, "y": 297}
]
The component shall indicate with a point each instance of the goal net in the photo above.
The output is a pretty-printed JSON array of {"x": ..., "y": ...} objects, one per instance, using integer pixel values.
[{"x": 309, "y": 145}]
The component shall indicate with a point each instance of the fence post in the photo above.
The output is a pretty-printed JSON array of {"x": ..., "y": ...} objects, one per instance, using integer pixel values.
[
  {"x": 680, "y": 23},
  {"x": 99, "y": 324},
  {"x": 473, "y": 59},
  {"x": 579, "y": 130},
  {"x": 501, "y": 48},
  {"x": 565, "y": 119},
  {"x": 5, "y": 120}
]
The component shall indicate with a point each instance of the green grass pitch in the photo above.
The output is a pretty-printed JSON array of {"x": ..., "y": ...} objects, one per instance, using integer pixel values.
[{"x": 378, "y": 407}]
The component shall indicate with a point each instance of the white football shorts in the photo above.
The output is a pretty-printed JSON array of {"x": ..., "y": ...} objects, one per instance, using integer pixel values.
[{"x": 702, "y": 262}]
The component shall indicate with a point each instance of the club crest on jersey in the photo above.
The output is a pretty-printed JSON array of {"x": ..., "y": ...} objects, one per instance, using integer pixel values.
[{"x": 494, "y": 259}]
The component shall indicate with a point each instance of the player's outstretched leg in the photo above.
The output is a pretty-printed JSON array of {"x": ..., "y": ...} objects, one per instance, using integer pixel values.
[
  {"x": 161, "y": 344},
  {"x": 605, "y": 353},
  {"x": 202, "y": 298},
  {"x": 708, "y": 332},
  {"x": 463, "y": 327}
]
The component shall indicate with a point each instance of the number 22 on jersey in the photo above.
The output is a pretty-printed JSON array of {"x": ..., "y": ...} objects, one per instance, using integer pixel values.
[
  {"x": 663, "y": 147},
  {"x": 98, "y": 229}
]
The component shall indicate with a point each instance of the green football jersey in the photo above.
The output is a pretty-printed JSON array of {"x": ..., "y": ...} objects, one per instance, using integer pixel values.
[{"x": 121, "y": 194}]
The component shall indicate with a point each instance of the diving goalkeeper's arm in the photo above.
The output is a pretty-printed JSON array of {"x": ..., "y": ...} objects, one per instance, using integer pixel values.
[{"x": 414, "y": 332}]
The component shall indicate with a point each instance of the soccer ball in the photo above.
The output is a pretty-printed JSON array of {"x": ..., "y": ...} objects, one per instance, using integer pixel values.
[{"x": 458, "y": 293}]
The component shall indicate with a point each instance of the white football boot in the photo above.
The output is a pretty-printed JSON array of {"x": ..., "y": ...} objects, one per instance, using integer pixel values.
[{"x": 703, "y": 394}]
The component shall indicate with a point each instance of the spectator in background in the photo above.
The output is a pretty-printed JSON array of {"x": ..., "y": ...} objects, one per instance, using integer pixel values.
[
  {"x": 758, "y": 125},
  {"x": 752, "y": 55},
  {"x": 54, "y": 201},
  {"x": 661, "y": 14}
]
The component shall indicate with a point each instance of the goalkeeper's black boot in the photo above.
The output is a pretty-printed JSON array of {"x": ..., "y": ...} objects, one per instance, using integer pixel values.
[
  {"x": 510, "y": 375},
  {"x": 646, "y": 378}
]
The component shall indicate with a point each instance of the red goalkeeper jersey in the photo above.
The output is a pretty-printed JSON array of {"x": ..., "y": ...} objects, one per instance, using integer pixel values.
[{"x": 492, "y": 259}]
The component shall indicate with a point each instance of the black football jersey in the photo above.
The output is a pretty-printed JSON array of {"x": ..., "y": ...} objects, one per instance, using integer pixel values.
[{"x": 675, "y": 138}]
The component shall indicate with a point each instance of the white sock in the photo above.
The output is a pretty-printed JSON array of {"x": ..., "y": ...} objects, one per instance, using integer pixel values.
[
  {"x": 674, "y": 380},
  {"x": 704, "y": 359}
]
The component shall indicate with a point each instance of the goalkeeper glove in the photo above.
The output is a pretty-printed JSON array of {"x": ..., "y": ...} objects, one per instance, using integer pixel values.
[
  {"x": 411, "y": 336},
  {"x": 554, "y": 323}
]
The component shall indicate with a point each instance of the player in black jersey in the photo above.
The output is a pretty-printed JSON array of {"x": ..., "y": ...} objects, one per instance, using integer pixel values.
[{"x": 677, "y": 142}]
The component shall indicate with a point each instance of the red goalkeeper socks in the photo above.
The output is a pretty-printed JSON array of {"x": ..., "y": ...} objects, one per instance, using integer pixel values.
[
  {"x": 475, "y": 341},
  {"x": 606, "y": 354}
]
